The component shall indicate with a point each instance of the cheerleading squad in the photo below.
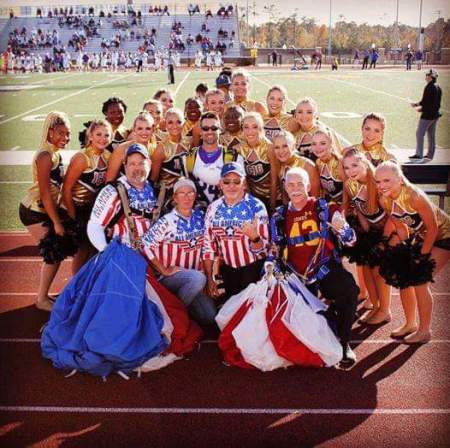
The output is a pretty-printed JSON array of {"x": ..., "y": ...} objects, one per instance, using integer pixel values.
[{"x": 233, "y": 213}]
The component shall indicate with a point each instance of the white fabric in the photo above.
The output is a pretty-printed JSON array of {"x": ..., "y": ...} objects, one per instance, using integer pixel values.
[
  {"x": 167, "y": 328},
  {"x": 158, "y": 362},
  {"x": 315, "y": 304},
  {"x": 310, "y": 328},
  {"x": 96, "y": 235}
]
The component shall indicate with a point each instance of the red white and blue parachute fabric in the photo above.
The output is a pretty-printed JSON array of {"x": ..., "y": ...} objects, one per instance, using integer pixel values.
[
  {"x": 112, "y": 317},
  {"x": 276, "y": 323}
]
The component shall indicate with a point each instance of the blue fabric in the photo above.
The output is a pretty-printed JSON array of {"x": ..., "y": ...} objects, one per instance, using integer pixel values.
[{"x": 103, "y": 322}]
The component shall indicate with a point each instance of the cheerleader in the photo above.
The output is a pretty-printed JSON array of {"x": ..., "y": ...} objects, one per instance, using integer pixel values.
[
  {"x": 39, "y": 211},
  {"x": 259, "y": 160},
  {"x": 169, "y": 158},
  {"x": 114, "y": 110},
  {"x": 329, "y": 166},
  {"x": 360, "y": 192},
  {"x": 428, "y": 228},
  {"x": 142, "y": 133},
  {"x": 372, "y": 131},
  {"x": 307, "y": 122},
  {"x": 165, "y": 96},
  {"x": 192, "y": 112},
  {"x": 155, "y": 109},
  {"x": 232, "y": 136},
  {"x": 277, "y": 118},
  {"x": 85, "y": 176},
  {"x": 284, "y": 149},
  {"x": 240, "y": 84}
]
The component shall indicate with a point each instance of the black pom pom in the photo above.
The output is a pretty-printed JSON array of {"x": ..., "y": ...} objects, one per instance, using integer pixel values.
[
  {"x": 55, "y": 248},
  {"x": 403, "y": 265},
  {"x": 368, "y": 249}
]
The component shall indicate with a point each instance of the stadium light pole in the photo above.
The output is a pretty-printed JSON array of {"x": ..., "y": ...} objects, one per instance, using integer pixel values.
[
  {"x": 329, "y": 36},
  {"x": 420, "y": 24}
]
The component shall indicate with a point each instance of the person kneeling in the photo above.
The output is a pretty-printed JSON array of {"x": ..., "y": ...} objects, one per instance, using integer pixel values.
[{"x": 303, "y": 227}]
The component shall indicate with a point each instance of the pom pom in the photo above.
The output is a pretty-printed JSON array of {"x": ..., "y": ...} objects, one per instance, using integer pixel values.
[
  {"x": 403, "y": 265},
  {"x": 368, "y": 249},
  {"x": 55, "y": 248}
]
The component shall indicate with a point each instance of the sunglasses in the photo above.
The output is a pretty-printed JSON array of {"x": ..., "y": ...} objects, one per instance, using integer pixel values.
[
  {"x": 232, "y": 181},
  {"x": 210, "y": 128}
]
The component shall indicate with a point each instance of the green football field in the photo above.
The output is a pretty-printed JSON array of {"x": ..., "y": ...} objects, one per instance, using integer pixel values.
[{"x": 343, "y": 98}]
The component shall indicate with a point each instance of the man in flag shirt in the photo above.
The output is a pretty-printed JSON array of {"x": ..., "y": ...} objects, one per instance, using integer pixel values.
[
  {"x": 174, "y": 244},
  {"x": 307, "y": 228},
  {"x": 236, "y": 232}
]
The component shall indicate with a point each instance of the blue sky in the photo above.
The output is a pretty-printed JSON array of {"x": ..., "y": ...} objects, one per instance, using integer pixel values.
[{"x": 374, "y": 12}]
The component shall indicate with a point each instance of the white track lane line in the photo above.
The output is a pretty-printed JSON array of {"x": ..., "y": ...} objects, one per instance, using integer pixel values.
[
  {"x": 341, "y": 137},
  {"x": 70, "y": 95},
  {"x": 186, "y": 76},
  {"x": 250, "y": 411}
]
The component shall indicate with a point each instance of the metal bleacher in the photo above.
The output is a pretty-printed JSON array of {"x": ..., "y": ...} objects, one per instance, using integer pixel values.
[{"x": 163, "y": 24}]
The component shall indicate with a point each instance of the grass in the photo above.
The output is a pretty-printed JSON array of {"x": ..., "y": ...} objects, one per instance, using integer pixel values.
[{"x": 81, "y": 96}]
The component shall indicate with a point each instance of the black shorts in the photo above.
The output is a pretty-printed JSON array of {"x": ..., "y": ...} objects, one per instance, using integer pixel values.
[
  {"x": 443, "y": 244},
  {"x": 29, "y": 217}
]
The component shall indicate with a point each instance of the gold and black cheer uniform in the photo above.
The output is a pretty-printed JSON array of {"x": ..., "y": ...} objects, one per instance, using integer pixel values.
[
  {"x": 231, "y": 142},
  {"x": 174, "y": 164},
  {"x": 247, "y": 105},
  {"x": 376, "y": 153},
  {"x": 273, "y": 124},
  {"x": 402, "y": 210},
  {"x": 257, "y": 167},
  {"x": 120, "y": 135},
  {"x": 32, "y": 209},
  {"x": 330, "y": 179},
  {"x": 358, "y": 196}
]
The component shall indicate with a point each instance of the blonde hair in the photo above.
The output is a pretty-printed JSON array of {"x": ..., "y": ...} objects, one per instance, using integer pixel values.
[
  {"x": 396, "y": 169},
  {"x": 175, "y": 111},
  {"x": 290, "y": 139},
  {"x": 213, "y": 92},
  {"x": 240, "y": 72},
  {"x": 372, "y": 192},
  {"x": 52, "y": 120},
  {"x": 258, "y": 118},
  {"x": 327, "y": 133},
  {"x": 310, "y": 101},
  {"x": 375, "y": 116},
  {"x": 143, "y": 116},
  {"x": 281, "y": 89},
  {"x": 156, "y": 103},
  {"x": 96, "y": 124}
]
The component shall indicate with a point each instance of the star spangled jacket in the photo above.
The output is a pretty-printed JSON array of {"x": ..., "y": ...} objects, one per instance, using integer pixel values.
[
  {"x": 224, "y": 237},
  {"x": 176, "y": 240}
]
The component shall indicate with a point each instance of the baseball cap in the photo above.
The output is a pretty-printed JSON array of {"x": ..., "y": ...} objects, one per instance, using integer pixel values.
[
  {"x": 183, "y": 182},
  {"x": 223, "y": 80},
  {"x": 137, "y": 148},
  {"x": 432, "y": 73},
  {"x": 232, "y": 167}
]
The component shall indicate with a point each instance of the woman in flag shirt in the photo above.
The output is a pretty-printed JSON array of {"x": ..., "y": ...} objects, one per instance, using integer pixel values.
[
  {"x": 236, "y": 231},
  {"x": 174, "y": 244}
]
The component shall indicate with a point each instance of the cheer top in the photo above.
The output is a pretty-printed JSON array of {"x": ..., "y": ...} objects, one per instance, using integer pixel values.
[
  {"x": 205, "y": 168},
  {"x": 223, "y": 234},
  {"x": 92, "y": 178},
  {"x": 376, "y": 153},
  {"x": 119, "y": 136},
  {"x": 230, "y": 141},
  {"x": 273, "y": 124},
  {"x": 358, "y": 196},
  {"x": 108, "y": 211},
  {"x": 33, "y": 198},
  {"x": 330, "y": 179},
  {"x": 257, "y": 167},
  {"x": 186, "y": 131},
  {"x": 295, "y": 161},
  {"x": 176, "y": 240},
  {"x": 247, "y": 105},
  {"x": 402, "y": 209},
  {"x": 174, "y": 165}
]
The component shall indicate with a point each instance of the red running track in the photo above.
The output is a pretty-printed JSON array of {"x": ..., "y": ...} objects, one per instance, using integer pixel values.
[{"x": 395, "y": 396}]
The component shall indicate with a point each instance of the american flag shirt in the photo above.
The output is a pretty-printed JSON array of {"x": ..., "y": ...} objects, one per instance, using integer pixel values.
[
  {"x": 108, "y": 206},
  {"x": 224, "y": 237},
  {"x": 176, "y": 240}
]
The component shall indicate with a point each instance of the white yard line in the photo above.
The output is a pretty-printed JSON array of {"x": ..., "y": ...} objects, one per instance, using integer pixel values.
[
  {"x": 341, "y": 137},
  {"x": 230, "y": 411},
  {"x": 70, "y": 95},
  {"x": 353, "y": 84},
  {"x": 12, "y": 182},
  {"x": 186, "y": 76}
]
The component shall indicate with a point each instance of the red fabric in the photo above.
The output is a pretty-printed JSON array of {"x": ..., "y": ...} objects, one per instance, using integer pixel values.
[
  {"x": 186, "y": 333},
  {"x": 285, "y": 343},
  {"x": 231, "y": 353}
]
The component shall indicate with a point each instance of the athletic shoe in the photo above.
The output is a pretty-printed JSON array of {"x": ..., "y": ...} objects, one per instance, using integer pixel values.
[
  {"x": 415, "y": 156},
  {"x": 349, "y": 357}
]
